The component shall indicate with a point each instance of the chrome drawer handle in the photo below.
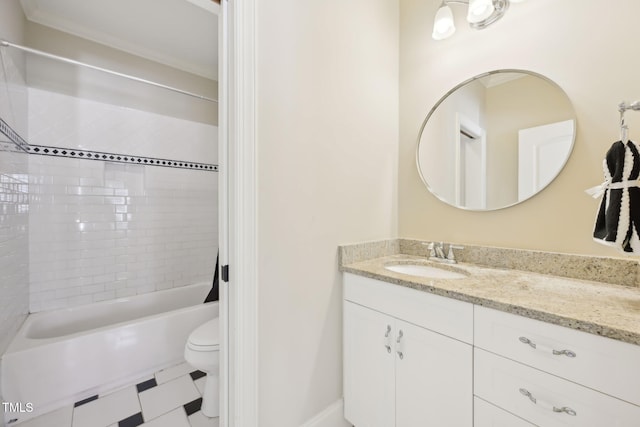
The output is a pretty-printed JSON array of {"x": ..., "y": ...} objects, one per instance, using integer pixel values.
[
  {"x": 564, "y": 409},
  {"x": 388, "y": 344},
  {"x": 400, "y": 355},
  {"x": 567, "y": 353}
]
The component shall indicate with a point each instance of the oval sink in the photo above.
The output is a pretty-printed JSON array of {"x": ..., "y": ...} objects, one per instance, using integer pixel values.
[{"x": 425, "y": 271}]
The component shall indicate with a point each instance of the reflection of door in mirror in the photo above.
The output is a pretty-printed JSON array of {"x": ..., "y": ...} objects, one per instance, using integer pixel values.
[
  {"x": 496, "y": 105},
  {"x": 541, "y": 153},
  {"x": 471, "y": 164}
]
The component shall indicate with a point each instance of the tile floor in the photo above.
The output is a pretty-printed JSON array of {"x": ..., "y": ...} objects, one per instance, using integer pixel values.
[{"x": 170, "y": 398}]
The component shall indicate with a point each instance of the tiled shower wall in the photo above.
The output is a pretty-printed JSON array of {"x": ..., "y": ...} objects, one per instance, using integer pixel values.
[
  {"x": 14, "y": 244},
  {"x": 72, "y": 122},
  {"x": 75, "y": 231},
  {"x": 100, "y": 230},
  {"x": 14, "y": 207}
]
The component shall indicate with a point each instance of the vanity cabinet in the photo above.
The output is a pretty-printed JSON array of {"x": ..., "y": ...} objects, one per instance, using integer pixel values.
[
  {"x": 554, "y": 376},
  {"x": 407, "y": 357},
  {"x": 412, "y": 358}
]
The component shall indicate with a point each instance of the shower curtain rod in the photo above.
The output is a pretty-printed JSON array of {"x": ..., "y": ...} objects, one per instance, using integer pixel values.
[{"x": 104, "y": 70}]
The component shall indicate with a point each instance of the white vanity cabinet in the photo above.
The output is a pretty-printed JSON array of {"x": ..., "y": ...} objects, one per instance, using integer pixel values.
[
  {"x": 412, "y": 358},
  {"x": 407, "y": 357},
  {"x": 554, "y": 376}
]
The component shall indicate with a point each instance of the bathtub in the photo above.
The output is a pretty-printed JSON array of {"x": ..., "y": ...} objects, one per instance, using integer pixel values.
[{"x": 62, "y": 356}]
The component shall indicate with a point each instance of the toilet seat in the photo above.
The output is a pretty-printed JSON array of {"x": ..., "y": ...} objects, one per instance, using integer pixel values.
[{"x": 206, "y": 337}]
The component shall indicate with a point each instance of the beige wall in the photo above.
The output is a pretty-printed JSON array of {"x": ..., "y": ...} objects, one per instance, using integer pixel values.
[
  {"x": 327, "y": 137},
  {"x": 584, "y": 47},
  {"x": 78, "y": 81},
  {"x": 538, "y": 102}
]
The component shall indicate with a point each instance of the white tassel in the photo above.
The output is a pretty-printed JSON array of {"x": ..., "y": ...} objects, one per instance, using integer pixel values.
[{"x": 624, "y": 220}]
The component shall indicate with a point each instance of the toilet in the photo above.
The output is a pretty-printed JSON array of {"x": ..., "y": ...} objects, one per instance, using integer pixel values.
[{"x": 202, "y": 352}]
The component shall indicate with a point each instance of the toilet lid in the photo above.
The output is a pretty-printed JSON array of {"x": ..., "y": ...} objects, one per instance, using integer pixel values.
[{"x": 205, "y": 337}]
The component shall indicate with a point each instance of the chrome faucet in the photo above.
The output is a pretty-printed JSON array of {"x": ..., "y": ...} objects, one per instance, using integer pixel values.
[
  {"x": 439, "y": 249},
  {"x": 436, "y": 252}
]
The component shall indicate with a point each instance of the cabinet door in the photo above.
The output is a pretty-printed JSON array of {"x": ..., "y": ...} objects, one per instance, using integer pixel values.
[
  {"x": 368, "y": 367},
  {"x": 433, "y": 379}
]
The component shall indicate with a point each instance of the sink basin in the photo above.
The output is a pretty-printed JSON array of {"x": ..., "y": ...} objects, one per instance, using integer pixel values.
[{"x": 427, "y": 271}]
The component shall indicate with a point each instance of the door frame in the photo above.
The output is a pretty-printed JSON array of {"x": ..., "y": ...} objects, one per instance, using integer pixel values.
[
  {"x": 468, "y": 126},
  {"x": 238, "y": 200}
]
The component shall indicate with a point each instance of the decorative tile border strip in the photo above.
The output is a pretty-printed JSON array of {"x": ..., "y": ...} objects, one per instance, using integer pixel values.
[
  {"x": 11, "y": 147},
  {"x": 13, "y": 135},
  {"x": 118, "y": 158},
  {"x": 94, "y": 155}
]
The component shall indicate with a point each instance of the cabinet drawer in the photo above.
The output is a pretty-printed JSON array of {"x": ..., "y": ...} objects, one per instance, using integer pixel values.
[
  {"x": 601, "y": 363},
  {"x": 487, "y": 415},
  {"x": 532, "y": 395},
  {"x": 439, "y": 314}
]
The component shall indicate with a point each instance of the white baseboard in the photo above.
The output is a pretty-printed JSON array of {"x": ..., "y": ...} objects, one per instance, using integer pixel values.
[{"x": 330, "y": 417}]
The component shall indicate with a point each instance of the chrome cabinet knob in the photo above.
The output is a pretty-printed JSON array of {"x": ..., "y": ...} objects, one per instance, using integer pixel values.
[
  {"x": 400, "y": 354},
  {"x": 386, "y": 335}
]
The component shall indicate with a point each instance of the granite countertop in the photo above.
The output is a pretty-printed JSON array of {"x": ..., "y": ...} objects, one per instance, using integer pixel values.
[{"x": 604, "y": 309}]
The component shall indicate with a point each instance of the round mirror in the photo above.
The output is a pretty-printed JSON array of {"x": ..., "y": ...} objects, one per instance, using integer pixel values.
[{"x": 496, "y": 140}]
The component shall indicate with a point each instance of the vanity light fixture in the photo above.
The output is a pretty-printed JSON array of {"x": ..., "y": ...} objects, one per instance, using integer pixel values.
[{"x": 480, "y": 14}]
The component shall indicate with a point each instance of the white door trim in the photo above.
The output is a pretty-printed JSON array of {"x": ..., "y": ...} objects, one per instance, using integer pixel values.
[
  {"x": 241, "y": 293},
  {"x": 467, "y": 125},
  {"x": 223, "y": 205}
]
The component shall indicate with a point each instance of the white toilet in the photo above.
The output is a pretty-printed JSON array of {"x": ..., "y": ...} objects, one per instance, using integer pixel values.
[{"x": 202, "y": 352}]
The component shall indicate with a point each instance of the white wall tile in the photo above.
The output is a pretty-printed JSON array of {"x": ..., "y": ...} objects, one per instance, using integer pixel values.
[
  {"x": 14, "y": 206},
  {"x": 65, "y": 121},
  {"x": 13, "y": 92},
  {"x": 106, "y": 230}
]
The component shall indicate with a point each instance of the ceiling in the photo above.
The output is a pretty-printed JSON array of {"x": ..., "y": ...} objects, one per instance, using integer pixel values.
[
  {"x": 179, "y": 33},
  {"x": 497, "y": 79}
]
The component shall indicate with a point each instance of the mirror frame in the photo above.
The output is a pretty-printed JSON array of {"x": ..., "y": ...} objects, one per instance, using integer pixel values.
[{"x": 477, "y": 77}]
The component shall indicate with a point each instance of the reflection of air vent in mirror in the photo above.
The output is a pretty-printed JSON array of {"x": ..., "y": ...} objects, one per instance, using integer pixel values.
[{"x": 467, "y": 134}]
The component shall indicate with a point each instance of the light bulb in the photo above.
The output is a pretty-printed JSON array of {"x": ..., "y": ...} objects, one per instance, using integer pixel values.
[
  {"x": 479, "y": 10},
  {"x": 443, "y": 25}
]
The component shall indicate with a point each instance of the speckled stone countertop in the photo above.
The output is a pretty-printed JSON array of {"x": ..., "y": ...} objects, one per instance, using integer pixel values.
[{"x": 605, "y": 309}]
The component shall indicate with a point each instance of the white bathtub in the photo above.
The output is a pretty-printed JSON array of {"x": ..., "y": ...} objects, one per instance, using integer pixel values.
[{"x": 63, "y": 356}]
